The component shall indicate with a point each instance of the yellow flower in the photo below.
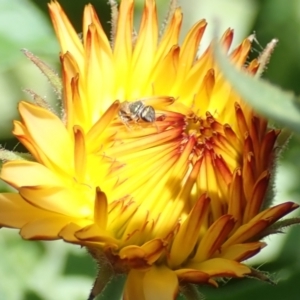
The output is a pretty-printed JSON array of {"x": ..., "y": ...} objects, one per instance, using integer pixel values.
[{"x": 175, "y": 201}]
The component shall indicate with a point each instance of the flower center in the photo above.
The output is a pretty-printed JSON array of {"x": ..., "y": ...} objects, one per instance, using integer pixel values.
[{"x": 214, "y": 138}]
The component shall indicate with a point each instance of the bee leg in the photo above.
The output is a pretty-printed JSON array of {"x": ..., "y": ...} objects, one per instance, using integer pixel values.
[
  {"x": 129, "y": 128},
  {"x": 125, "y": 120}
]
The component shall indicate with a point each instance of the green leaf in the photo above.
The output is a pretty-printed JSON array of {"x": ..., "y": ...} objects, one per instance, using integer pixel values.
[{"x": 280, "y": 106}]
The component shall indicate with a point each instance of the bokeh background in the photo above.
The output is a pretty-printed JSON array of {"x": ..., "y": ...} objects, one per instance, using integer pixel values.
[{"x": 56, "y": 270}]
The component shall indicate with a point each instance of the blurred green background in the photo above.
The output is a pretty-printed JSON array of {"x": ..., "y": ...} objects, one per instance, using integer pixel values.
[{"x": 56, "y": 270}]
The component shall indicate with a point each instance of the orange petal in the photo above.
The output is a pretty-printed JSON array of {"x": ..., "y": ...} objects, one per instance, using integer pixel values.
[
  {"x": 150, "y": 251},
  {"x": 266, "y": 148},
  {"x": 191, "y": 276},
  {"x": 257, "y": 196},
  {"x": 276, "y": 212},
  {"x": 220, "y": 267},
  {"x": 160, "y": 283},
  {"x": 240, "y": 54},
  {"x": 134, "y": 286},
  {"x": 153, "y": 249},
  {"x": 236, "y": 197}
]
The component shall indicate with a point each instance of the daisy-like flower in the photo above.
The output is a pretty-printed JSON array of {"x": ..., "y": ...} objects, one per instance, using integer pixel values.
[{"x": 155, "y": 166}]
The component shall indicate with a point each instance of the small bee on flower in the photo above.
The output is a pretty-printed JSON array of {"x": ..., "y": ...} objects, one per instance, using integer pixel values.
[
  {"x": 170, "y": 207},
  {"x": 136, "y": 111}
]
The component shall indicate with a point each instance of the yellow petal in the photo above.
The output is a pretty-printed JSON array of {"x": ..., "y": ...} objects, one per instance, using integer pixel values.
[
  {"x": 94, "y": 233},
  {"x": 188, "y": 234},
  {"x": 16, "y": 212},
  {"x": 144, "y": 52},
  {"x": 123, "y": 48},
  {"x": 36, "y": 174},
  {"x": 50, "y": 198},
  {"x": 49, "y": 137},
  {"x": 68, "y": 232},
  {"x": 44, "y": 229},
  {"x": 67, "y": 36}
]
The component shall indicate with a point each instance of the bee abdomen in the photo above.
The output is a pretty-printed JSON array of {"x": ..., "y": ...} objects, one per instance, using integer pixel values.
[{"x": 148, "y": 114}]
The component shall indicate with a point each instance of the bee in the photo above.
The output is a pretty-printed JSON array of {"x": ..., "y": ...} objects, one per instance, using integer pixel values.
[{"x": 136, "y": 111}]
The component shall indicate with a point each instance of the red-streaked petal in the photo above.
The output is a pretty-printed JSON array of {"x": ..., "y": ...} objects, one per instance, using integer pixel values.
[
  {"x": 247, "y": 231},
  {"x": 241, "y": 252},
  {"x": 214, "y": 237}
]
